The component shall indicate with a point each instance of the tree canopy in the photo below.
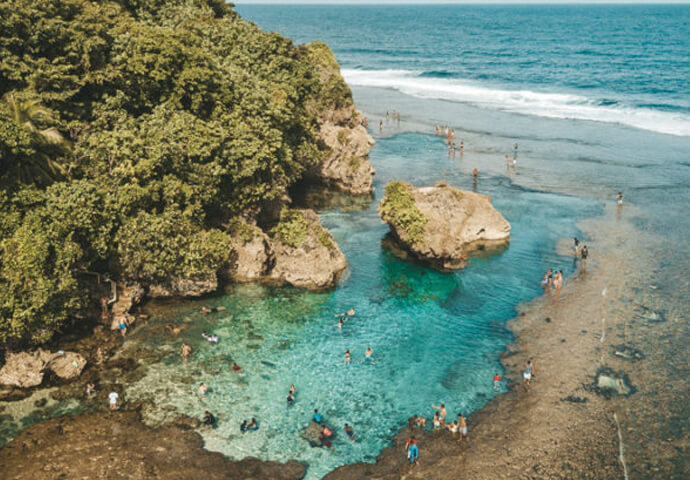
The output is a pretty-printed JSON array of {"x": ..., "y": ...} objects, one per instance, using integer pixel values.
[{"x": 132, "y": 133}]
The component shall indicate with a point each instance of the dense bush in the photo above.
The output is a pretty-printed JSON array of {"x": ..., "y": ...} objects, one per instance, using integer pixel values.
[
  {"x": 398, "y": 208},
  {"x": 131, "y": 131}
]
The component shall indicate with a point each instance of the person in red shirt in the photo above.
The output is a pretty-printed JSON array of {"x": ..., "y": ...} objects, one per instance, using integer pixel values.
[{"x": 497, "y": 382}]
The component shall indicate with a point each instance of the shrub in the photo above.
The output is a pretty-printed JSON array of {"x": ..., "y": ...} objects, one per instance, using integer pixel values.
[{"x": 398, "y": 208}]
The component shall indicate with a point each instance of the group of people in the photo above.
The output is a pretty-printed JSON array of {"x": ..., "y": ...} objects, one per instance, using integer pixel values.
[
  {"x": 326, "y": 434},
  {"x": 553, "y": 279},
  {"x": 580, "y": 252},
  {"x": 368, "y": 356},
  {"x": 394, "y": 116},
  {"x": 457, "y": 428}
]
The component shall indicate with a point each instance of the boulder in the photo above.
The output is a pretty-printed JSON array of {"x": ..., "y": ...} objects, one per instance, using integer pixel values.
[
  {"x": 68, "y": 365},
  {"x": 26, "y": 369},
  {"x": 346, "y": 165},
  {"x": 195, "y": 286},
  {"x": 305, "y": 253},
  {"x": 439, "y": 225},
  {"x": 23, "y": 369},
  {"x": 251, "y": 256}
]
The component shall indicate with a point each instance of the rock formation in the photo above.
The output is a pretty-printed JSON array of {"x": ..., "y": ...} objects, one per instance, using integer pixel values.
[
  {"x": 300, "y": 252},
  {"x": 26, "y": 369},
  {"x": 440, "y": 225},
  {"x": 185, "y": 287},
  {"x": 346, "y": 165},
  {"x": 128, "y": 296}
]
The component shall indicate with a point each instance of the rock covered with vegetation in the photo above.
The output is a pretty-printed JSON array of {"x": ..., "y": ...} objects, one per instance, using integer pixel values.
[
  {"x": 132, "y": 133},
  {"x": 26, "y": 369},
  {"x": 439, "y": 225}
]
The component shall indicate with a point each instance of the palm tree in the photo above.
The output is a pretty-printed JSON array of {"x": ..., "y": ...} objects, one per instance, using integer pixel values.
[{"x": 48, "y": 143}]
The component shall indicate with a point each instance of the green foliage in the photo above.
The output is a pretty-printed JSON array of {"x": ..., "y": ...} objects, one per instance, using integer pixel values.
[
  {"x": 131, "y": 131},
  {"x": 342, "y": 137},
  {"x": 242, "y": 229},
  {"x": 292, "y": 229},
  {"x": 323, "y": 236},
  {"x": 155, "y": 247},
  {"x": 398, "y": 208},
  {"x": 355, "y": 162}
]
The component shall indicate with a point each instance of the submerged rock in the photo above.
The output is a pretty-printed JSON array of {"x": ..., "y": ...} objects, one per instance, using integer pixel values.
[
  {"x": 608, "y": 383},
  {"x": 305, "y": 253},
  {"x": 440, "y": 225}
]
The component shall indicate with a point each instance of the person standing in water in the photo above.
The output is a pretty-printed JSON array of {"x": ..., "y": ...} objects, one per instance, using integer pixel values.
[
  {"x": 583, "y": 258},
  {"x": 347, "y": 357},
  {"x": 369, "y": 355},
  {"x": 186, "y": 350},
  {"x": 441, "y": 410},
  {"x": 619, "y": 198},
  {"x": 515, "y": 151},
  {"x": 350, "y": 432},
  {"x": 380, "y": 126}
]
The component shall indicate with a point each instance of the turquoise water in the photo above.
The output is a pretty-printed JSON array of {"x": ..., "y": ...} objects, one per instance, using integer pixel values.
[{"x": 436, "y": 337}]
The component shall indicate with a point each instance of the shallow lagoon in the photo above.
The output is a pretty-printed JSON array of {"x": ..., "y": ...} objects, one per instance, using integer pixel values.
[{"x": 436, "y": 337}]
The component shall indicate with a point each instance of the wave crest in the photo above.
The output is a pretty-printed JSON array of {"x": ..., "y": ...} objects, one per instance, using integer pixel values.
[{"x": 551, "y": 105}]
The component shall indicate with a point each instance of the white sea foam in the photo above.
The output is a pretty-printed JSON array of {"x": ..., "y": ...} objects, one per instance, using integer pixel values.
[{"x": 553, "y": 105}]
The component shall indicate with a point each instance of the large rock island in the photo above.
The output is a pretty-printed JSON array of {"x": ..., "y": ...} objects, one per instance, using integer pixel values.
[{"x": 439, "y": 225}]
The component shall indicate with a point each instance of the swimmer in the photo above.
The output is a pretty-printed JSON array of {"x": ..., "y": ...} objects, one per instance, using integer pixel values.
[
  {"x": 186, "y": 350},
  {"x": 293, "y": 390},
  {"x": 206, "y": 310},
  {"x": 174, "y": 329},
  {"x": 243, "y": 426},
  {"x": 442, "y": 411},
  {"x": 369, "y": 355},
  {"x": 203, "y": 388},
  {"x": 317, "y": 417},
  {"x": 290, "y": 399},
  {"x": 326, "y": 432},
  {"x": 253, "y": 425},
  {"x": 350, "y": 432},
  {"x": 347, "y": 357},
  {"x": 209, "y": 420},
  {"x": 475, "y": 173},
  {"x": 237, "y": 369},
  {"x": 340, "y": 323},
  {"x": 619, "y": 198},
  {"x": 123, "y": 326}
]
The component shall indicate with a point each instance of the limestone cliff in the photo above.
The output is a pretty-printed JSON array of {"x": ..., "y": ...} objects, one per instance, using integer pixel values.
[
  {"x": 299, "y": 252},
  {"x": 440, "y": 225}
]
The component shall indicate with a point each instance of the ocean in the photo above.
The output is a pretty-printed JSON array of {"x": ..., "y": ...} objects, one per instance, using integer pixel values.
[{"x": 598, "y": 99}]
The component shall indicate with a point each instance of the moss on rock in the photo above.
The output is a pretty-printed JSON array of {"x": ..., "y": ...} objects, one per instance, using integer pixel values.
[{"x": 398, "y": 208}]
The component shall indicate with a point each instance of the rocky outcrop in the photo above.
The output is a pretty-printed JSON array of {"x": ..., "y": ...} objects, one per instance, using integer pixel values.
[
  {"x": 300, "y": 252},
  {"x": 440, "y": 225},
  {"x": 119, "y": 446},
  {"x": 307, "y": 256},
  {"x": 346, "y": 166},
  {"x": 251, "y": 258},
  {"x": 195, "y": 286},
  {"x": 26, "y": 369}
]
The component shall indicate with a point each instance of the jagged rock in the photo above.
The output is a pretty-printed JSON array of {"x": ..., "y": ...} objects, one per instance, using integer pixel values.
[
  {"x": 23, "y": 369},
  {"x": 185, "y": 287},
  {"x": 440, "y": 225},
  {"x": 67, "y": 366},
  {"x": 315, "y": 262},
  {"x": 26, "y": 369},
  {"x": 128, "y": 296},
  {"x": 251, "y": 256},
  {"x": 347, "y": 165}
]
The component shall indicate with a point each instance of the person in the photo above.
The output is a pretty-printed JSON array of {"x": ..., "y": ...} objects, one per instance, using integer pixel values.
[
  {"x": 317, "y": 417},
  {"x": 209, "y": 420},
  {"x": 497, "y": 382},
  {"x": 100, "y": 355},
  {"x": 123, "y": 326},
  {"x": 462, "y": 428},
  {"x": 380, "y": 125},
  {"x": 527, "y": 373},
  {"x": 388, "y": 116},
  {"x": 475, "y": 173},
  {"x": 112, "y": 399},
  {"x": 325, "y": 432},
  {"x": 507, "y": 161},
  {"x": 515, "y": 164},
  {"x": 421, "y": 422},
  {"x": 253, "y": 425},
  {"x": 576, "y": 246},
  {"x": 619, "y": 198},
  {"x": 350, "y": 432},
  {"x": 442, "y": 411},
  {"x": 515, "y": 151},
  {"x": 545, "y": 281},
  {"x": 366, "y": 122},
  {"x": 290, "y": 399},
  {"x": 462, "y": 147},
  {"x": 90, "y": 389},
  {"x": 213, "y": 339},
  {"x": 347, "y": 357},
  {"x": 411, "y": 421},
  {"x": 368, "y": 355},
  {"x": 350, "y": 312},
  {"x": 436, "y": 421},
  {"x": 244, "y": 426},
  {"x": 583, "y": 257},
  {"x": 340, "y": 323},
  {"x": 292, "y": 389},
  {"x": 186, "y": 350},
  {"x": 174, "y": 329},
  {"x": 412, "y": 452},
  {"x": 203, "y": 388}
]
